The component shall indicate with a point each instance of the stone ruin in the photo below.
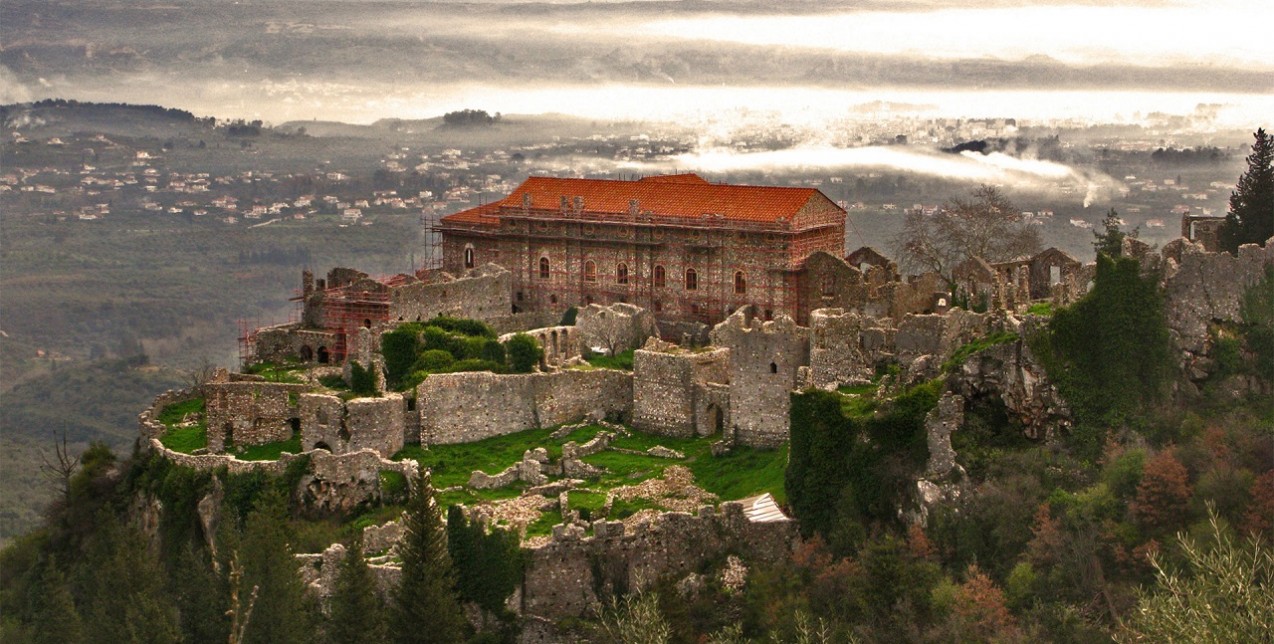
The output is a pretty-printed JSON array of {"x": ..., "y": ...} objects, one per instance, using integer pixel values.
[
  {"x": 616, "y": 328},
  {"x": 765, "y": 366},
  {"x": 680, "y": 392}
]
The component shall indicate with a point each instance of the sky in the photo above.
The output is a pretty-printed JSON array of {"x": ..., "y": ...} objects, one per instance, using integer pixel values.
[{"x": 807, "y": 63}]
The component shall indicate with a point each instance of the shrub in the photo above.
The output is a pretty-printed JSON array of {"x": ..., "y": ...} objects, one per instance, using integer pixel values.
[
  {"x": 399, "y": 349},
  {"x": 433, "y": 360},
  {"x": 524, "y": 353},
  {"x": 362, "y": 381},
  {"x": 493, "y": 351}
]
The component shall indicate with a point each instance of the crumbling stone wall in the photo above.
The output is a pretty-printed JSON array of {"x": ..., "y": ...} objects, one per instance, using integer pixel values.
[
  {"x": 465, "y": 407},
  {"x": 618, "y": 327},
  {"x": 845, "y": 347},
  {"x": 938, "y": 335},
  {"x": 327, "y": 422},
  {"x": 561, "y": 344},
  {"x": 571, "y": 574},
  {"x": 1203, "y": 289},
  {"x": 292, "y": 342},
  {"x": 249, "y": 413},
  {"x": 481, "y": 293},
  {"x": 1012, "y": 373},
  {"x": 765, "y": 360},
  {"x": 668, "y": 387}
]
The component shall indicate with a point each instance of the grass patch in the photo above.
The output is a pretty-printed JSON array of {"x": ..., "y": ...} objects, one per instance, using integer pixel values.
[
  {"x": 963, "y": 353},
  {"x": 452, "y": 464},
  {"x": 621, "y": 509},
  {"x": 1041, "y": 308},
  {"x": 177, "y": 412},
  {"x": 543, "y": 526},
  {"x": 270, "y": 451},
  {"x": 186, "y": 440},
  {"x": 273, "y": 372},
  {"x": 743, "y": 472},
  {"x": 622, "y": 361}
]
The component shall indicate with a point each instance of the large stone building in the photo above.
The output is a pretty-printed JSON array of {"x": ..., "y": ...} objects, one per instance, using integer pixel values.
[{"x": 684, "y": 248}]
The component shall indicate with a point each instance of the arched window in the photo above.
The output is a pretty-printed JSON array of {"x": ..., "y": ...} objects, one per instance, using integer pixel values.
[
  {"x": 659, "y": 277},
  {"x": 468, "y": 256},
  {"x": 740, "y": 283},
  {"x": 544, "y": 268},
  {"x": 621, "y": 274},
  {"x": 692, "y": 279},
  {"x": 590, "y": 271}
]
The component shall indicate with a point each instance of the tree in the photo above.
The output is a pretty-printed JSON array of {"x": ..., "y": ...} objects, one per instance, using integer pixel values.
[
  {"x": 127, "y": 598},
  {"x": 1224, "y": 595},
  {"x": 54, "y": 618},
  {"x": 424, "y": 607},
  {"x": 634, "y": 619},
  {"x": 1251, "y": 216},
  {"x": 987, "y": 226},
  {"x": 1110, "y": 240},
  {"x": 357, "y": 612},
  {"x": 488, "y": 563},
  {"x": 524, "y": 353},
  {"x": 1163, "y": 496},
  {"x": 280, "y": 613}
]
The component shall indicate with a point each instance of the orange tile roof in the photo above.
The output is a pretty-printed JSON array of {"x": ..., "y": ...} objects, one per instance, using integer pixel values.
[{"x": 676, "y": 196}]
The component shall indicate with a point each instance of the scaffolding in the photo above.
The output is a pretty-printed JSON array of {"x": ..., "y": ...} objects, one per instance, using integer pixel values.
[
  {"x": 432, "y": 260},
  {"x": 344, "y": 311}
]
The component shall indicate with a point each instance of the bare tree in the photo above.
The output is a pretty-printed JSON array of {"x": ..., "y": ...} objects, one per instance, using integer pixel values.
[
  {"x": 987, "y": 226},
  {"x": 202, "y": 372},
  {"x": 61, "y": 467}
]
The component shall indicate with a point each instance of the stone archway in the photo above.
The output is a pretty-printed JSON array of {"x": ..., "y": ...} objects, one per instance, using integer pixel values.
[
  {"x": 716, "y": 419},
  {"x": 323, "y": 356}
]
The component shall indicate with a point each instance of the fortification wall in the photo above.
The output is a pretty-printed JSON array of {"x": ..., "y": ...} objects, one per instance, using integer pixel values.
[
  {"x": 666, "y": 387},
  {"x": 480, "y": 294},
  {"x": 333, "y": 483},
  {"x": 378, "y": 424},
  {"x": 1203, "y": 289},
  {"x": 765, "y": 363},
  {"x": 465, "y": 407},
  {"x": 249, "y": 413},
  {"x": 567, "y": 576}
]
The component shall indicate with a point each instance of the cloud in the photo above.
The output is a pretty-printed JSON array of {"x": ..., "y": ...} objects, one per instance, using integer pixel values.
[{"x": 995, "y": 168}]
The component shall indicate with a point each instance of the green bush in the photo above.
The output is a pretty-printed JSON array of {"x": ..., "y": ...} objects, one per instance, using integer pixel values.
[
  {"x": 462, "y": 326},
  {"x": 399, "y": 348},
  {"x": 568, "y": 317},
  {"x": 334, "y": 381},
  {"x": 524, "y": 353},
  {"x": 473, "y": 364},
  {"x": 433, "y": 360},
  {"x": 493, "y": 351},
  {"x": 362, "y": 381}
]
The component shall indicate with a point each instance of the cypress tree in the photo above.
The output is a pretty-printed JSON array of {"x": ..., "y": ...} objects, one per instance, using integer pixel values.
[
  {"x": 200, "y": 595},
  {"x": 281, "y": 614},
  {"x": 128, "y": 601},
  {"x": 424, "y": 607},
  {"x": 1251, "y": 216},
  {"x": 358, "y": 616}
]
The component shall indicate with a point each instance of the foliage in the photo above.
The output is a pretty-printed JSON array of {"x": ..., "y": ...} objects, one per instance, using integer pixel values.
[
  {"x": 524, "y": 353},
  {"x": 1109, "y": 241},
  {"x": 1257, "y": 329},
  {"x": 961, "y": 354},
  {"x": 53, "y": 612},
  {"x": 987, "y": 226},
  {"x": 281, "y": 613},
  {"x": 186, "y": 439},
  {"x": 393, "y": 485},
  {"x": 362, "y": 380},
  {"x": 124, "y": 593},
  {"x": 622, "y": 361},
  {"x": 424, "y": 606},
  {"x": 488, "y": 563},
  {"x": 1224, "y": 594},
  {"x": 399, "y": 348},
  {"x": 1163, "y": 494},
  {"x": 414, "y": 350},
  {"x": 1109, "y": 353},
  {"x": 357, "y": 613},
  {"x": 568, "y": 317},
  {"x": 847, "y": 471},
  {"x": 333, "y": 381},
  {"x": 1044, "y": 309},
  {"x": 1251, "y": 216},
  {"x": 634, "y": 619}
]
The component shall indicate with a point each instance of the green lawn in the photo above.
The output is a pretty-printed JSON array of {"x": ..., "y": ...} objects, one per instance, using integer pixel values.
[
  {"x": 269, "y": 451},
  {"x": 183, "y": 439}
]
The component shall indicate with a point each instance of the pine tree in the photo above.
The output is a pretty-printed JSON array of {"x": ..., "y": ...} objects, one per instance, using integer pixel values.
[
  {"x": 54, "y": 618},
  {"x": 358, "y": 615},
  {"x": 1251, "y": 216},
  {"x": 424, "y": 606},
  {"x": 281, "y": 614},
  {"x": 128, "y": 601},
  {"x": 1110, "y": 241},
  {"x": 200, "y": 595}
]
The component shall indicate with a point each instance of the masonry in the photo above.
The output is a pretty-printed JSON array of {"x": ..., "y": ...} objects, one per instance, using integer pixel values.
[
  {"x": 670, "y": 389},
  {"x": 249, "y": 413},
  {"x": 765, "y": 364},
  {"x": 471, "y": 406}
]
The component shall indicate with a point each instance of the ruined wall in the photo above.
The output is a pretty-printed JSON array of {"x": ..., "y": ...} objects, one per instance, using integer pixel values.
[
  {"x": 765, "y": 359},
  {"x": 1204, "y": 289},
  {"x": 249, "y": 413},
  {"x": 1012, "y": 373},
  {"x": 667, "y": 386},
  {"x": 292, "y": 342},
  {"x": 561, "y": 344},
  {"x": 567, "y": 576},
  {"x": 845, "y": 347},
  {"x": 465, "y": 407},
  {"x": 938, "y": 335},
  {"x": 480, "y": 294},
  {"x": 327, "y": 422},
  {"x": 618, "y": 327}
]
